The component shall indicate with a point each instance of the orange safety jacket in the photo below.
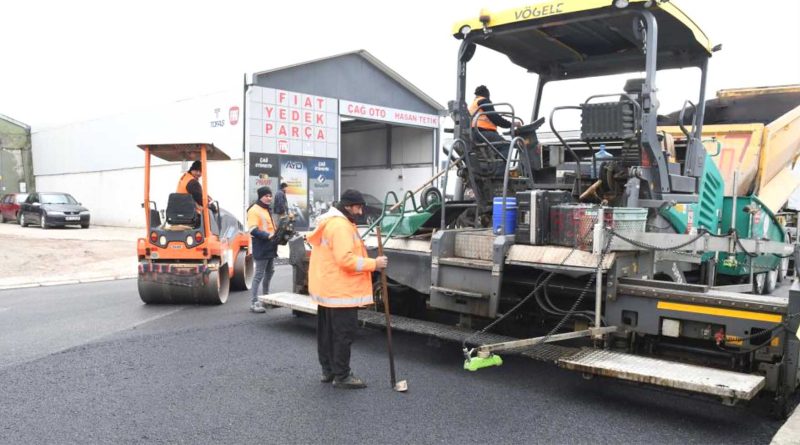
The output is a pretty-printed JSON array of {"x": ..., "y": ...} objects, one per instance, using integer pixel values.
[
  {"x": 185, "y": 180},
  {"x": 261, "y": 219},
  {"x": 483, "y": 122},
  {"x": 182, "y": 187},
  {"x": 340, "y": 271}
]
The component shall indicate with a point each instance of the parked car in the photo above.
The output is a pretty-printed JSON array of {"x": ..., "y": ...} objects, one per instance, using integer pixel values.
[
  {"x": 9, "y": 206},
  {"x": 52, "y": 209}
]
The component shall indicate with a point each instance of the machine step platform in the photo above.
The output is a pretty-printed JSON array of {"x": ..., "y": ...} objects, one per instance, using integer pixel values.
[
  {"x": 302, "y": 303},
  {"x": 698, "y": 379}
]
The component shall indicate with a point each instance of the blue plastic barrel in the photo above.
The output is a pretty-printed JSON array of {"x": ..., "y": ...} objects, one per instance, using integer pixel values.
[{"x": 511, "y": 215}]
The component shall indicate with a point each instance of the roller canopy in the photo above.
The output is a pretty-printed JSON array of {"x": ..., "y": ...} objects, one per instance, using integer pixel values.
[{"x": 185, "y": 152}]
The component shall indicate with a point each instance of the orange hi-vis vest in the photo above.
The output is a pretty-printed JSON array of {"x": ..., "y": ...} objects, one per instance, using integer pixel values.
[
  {"x": 340, "y": 271},
  {"x": 483, "y": 122},
  {"x": 260, "y": 218},
  {"x": 183, "y": 183},
  {"x": 185, "y": 180}
]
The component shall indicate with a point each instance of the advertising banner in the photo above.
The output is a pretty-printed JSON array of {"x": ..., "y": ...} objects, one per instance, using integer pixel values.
[
  {"x": 322, "y": 187},
  {"x": 293, "y": 138},
  {"x": 289, "y": 123},
  {"x": 295, "y": 174},
  {"x": 386, "y": 114},
  {"x": 264, "y": 171}
]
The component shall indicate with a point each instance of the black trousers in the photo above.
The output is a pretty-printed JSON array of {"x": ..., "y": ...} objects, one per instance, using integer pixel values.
[
  {"x": 500, "y": 143},
  {"x": 336, "y": 330}
]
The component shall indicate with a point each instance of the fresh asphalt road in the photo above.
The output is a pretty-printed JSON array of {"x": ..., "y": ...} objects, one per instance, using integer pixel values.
[{"x": 90, "y": 363}]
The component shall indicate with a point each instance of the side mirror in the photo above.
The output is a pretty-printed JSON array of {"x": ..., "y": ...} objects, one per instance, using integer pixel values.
[{"x": 469, "y": 51}]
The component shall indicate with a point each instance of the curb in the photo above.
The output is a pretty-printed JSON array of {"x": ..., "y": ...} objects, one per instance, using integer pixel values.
[
  {"x": 788, "y": 432},
  {"x": 64, "y": 282}
]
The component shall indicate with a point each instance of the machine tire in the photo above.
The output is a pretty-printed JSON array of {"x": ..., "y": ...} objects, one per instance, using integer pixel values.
[
  {"x": 146, "y": 291},
  {"x": 759, "y": 283},
  {"x": 22, "y": 222},
  {"x": 431, "y": 195},
  {"x": 85, "y": 226},
  {"x": 783, "y": 267},
  {"x": 218, "y": 287},
  {"x": 243, "y": 271},
  {"x": 771, "y": 282},
  {"x": 43, "y": 223}
]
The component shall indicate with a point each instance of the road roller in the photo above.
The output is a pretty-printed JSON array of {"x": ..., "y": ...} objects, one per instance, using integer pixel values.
[{"x": 198, "y": 252}]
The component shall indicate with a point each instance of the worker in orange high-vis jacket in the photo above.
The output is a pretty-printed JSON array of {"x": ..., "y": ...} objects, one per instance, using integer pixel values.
[
  {"x": 485, "y": 125},
  {"x": 265, "y": 245},
  {"x": 340, "y": 282},
  {"x": 190, "y": 184}
]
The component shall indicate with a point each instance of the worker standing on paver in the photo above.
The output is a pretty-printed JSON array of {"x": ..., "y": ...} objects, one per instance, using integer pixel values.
[
  {"x": 265, "y": 246},
  {"x": 340, "y": 281}
]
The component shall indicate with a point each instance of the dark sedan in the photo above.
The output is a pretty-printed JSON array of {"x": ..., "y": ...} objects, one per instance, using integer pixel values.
[
  {"x": 53, "y": 209},
  {"x": 9, "y": 206}
]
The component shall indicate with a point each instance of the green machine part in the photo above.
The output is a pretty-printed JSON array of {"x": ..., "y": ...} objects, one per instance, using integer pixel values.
[
  {"x": 476, "y": 363},
  {"x": 753, "y": 220},
  {"x": 402, "y": 222},
  {"x": 705, "y": 213},
  {"x": 712, "y": 212}
]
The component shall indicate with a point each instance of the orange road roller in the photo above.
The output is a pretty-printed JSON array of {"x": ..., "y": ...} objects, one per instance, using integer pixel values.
[{"x": 199, "y": 252}]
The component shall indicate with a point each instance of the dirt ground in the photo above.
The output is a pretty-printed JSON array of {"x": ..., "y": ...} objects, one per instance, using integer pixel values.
[{"x": 30, "y": 255}]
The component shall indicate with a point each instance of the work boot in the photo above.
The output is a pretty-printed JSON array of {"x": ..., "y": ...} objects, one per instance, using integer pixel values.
[
  {"x": 349, "y": 382},
  {"x": 326, "y": 378},
  {"x": 257, "y": 307}
]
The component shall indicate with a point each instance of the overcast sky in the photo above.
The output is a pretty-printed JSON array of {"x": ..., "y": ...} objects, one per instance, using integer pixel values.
[{"x": 67, "y": 61}]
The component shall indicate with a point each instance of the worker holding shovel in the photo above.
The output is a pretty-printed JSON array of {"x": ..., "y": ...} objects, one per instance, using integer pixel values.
[{"x": 340, "y": 282}]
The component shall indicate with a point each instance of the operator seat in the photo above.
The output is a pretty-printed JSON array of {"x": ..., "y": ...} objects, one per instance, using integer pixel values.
[{"x": 182, "y": 210}]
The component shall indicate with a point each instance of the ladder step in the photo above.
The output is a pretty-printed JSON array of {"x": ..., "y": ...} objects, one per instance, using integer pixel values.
[
  {"x": 467, "y": 262},
  {"x": 653, "y": 371},
  {"x": 291, "y": 300}
]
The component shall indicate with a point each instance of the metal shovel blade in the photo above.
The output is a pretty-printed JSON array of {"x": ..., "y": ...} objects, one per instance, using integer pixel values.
[{"x": 401, "y": 386}]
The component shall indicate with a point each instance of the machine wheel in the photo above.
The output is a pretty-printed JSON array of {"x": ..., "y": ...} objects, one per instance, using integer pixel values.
[
  {"x": 243, "y": 270},
  {"x": 147, "y": 291},
  {"x": 43, "y": 223},
  {"x": 85, "y": 226},
  {"x": 771, "y": 282},
  {"x": 764, "y": 283},
  {"x": 758, "y": 283},
  {"x": 218, "y": 287},
  {"x": 783, "y": 268},
  {"x": 22, "y": 222},
  {"x": 430, "y": 196}
]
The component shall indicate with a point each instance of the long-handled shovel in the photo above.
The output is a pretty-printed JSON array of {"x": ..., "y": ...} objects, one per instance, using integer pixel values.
[{"x": 402, "y": 385}]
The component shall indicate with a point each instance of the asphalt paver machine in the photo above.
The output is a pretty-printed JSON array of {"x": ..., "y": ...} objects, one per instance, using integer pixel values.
[
  {"x": 196, "y": 254},
  {"x": 620, "y": 228}
]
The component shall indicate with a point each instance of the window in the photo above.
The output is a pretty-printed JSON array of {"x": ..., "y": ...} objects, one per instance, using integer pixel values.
[{"x": 57, "y": 198}]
